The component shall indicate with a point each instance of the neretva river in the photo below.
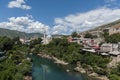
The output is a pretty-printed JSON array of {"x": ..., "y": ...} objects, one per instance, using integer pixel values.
[{"x": 45, "y": 69}]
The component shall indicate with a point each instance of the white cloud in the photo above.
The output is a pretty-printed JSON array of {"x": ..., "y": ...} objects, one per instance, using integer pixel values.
[
  {"x": 112, "y": 3},
  {"x": 59, "y": 29},
  {"x": 24, "y": 24},
  {"x": 109, "y": 1},
  {"x": 18, "y": 4},
  {"x": 86, "y": 20}
]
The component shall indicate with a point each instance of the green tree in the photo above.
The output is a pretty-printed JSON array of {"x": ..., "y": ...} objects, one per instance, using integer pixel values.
[
  {"x": 74, "y": 34},
  {"x": 88, "y": 35},
  {"x": 17, "y": 40},
  {"x": 114, "y": 38},
  {"x": 6, "y": 43},
  {"x": 35, "y": 42},
  {"x": 114, "y": 77}
]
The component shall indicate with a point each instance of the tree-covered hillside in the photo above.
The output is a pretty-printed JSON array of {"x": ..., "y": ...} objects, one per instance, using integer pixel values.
[{"x": 13, "y": 33}]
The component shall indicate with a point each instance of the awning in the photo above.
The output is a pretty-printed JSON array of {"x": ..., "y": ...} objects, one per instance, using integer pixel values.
[
  {"x": 104, "y": 54},
  {"x": 114, "y": 53}
]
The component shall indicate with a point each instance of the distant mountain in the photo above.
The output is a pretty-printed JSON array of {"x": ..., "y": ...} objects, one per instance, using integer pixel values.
[
  {"x": 111, "y": 24},
  {"x": 14, "y": 33}
]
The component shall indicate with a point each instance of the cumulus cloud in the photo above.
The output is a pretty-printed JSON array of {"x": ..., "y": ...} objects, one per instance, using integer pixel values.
[
  {"x": 18, "y": 4},
  {"x": 84, "y": 21},
  {"x": 24, "y": 24},
  {"x": 109, "y": 1},
  {"x": 59, "y": 29}
]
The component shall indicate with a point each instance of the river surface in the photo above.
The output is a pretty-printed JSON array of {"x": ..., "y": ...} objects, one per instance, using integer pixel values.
[{"x": 45, "y": 69}]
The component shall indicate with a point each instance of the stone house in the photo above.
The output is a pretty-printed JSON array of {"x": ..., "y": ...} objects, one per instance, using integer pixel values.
[{"x": 108, "y": 47}]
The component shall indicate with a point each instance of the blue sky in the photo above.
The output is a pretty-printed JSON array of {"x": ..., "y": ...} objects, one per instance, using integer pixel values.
[{"x": 57, "y": 16}]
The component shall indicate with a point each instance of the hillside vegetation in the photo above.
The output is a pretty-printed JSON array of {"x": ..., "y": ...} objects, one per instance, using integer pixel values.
[{"x": 14, "y": 33}]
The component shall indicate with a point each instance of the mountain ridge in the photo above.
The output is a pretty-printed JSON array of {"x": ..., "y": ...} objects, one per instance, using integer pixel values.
[
  {"x": 15, "y": 33},
  {"x": 108, "y": 25},
  {"x": 104, "y": 26}
]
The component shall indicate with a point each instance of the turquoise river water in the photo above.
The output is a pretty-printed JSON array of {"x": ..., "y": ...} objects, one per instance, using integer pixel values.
[{"x": 45, "y": 69}]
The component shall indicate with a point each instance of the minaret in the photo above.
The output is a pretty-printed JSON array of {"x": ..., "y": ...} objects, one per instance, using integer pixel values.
[{"x": 44, "y": 37}]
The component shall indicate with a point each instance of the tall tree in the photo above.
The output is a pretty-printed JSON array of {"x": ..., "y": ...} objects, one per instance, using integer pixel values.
[{"x": 74, "y": 34}]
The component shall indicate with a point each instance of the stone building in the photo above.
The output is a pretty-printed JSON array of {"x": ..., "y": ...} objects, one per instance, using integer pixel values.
[{"x": 108, "y": 47}]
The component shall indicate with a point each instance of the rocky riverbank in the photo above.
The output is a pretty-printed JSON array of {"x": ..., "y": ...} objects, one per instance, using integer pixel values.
[
  {"x": 28, "y": 78},
  {"x": 90, "y": 74},
  {"x": 56, "y": 60}
]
